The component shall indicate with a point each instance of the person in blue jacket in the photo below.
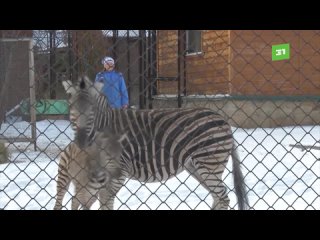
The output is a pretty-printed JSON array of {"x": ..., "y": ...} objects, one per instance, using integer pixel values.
[{"x": 114, "y": 85}]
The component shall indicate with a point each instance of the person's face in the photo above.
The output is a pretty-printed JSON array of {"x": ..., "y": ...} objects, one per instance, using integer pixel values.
[{"x": 108, "y": 66}]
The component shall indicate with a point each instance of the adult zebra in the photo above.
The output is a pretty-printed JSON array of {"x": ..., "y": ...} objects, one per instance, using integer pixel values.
[{"x": 161, "y": 143}]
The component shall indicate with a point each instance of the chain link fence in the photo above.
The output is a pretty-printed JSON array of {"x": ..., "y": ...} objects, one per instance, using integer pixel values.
[{"x": 264, "y": 82}]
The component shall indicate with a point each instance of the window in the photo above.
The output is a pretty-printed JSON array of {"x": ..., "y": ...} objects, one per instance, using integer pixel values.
[{"x": 193, "y": 41}]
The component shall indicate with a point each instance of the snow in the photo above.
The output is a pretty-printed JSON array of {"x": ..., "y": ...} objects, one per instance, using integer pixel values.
[
  {"x": 192, "y": 96},
  {"x": 278, "y": 176}
]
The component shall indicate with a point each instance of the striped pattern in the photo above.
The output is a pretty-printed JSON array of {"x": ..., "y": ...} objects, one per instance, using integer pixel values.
[
  {"x": 161, "y": 143},
  {"x": 94, "y": 172}
]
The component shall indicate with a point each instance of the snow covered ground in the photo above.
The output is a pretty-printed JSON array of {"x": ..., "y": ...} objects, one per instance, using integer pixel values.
[{"x": 277, "y": 175}]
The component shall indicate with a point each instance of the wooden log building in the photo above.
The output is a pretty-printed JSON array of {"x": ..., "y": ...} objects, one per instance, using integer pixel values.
[{"x": 239, "y": 62}]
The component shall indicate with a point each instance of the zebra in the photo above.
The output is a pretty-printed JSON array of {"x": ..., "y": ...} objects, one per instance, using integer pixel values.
[
  {"x": 161, "y": 143},
  {"x": 90, "y": 170}
]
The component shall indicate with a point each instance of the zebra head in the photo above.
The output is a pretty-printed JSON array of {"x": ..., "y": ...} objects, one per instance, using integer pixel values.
[
  {"x": 82, "y": 103},
  {"x": 104, "y": 155}
]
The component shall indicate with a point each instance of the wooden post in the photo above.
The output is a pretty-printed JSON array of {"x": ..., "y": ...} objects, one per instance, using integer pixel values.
[{"x": 32, "y": 96}]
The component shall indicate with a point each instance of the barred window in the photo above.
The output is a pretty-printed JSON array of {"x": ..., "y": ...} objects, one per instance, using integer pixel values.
[{"x": 193, "y": 41}]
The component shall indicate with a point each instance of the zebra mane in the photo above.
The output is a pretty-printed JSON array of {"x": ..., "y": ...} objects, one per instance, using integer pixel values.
[
  {"x": 83, "y": 84},
  {"x": 94, "y": 88}
]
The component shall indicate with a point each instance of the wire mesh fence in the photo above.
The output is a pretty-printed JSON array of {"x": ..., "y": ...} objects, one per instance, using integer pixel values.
[{"x": 264, "y": 83}]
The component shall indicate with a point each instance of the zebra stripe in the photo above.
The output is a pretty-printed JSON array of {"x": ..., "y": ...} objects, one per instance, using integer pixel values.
[
  {"x": 175, "y": 136},
  {"x": 71, "y": 170},
  {"x": 93, "y": 171},
  {"x": 160, "y": 143}
]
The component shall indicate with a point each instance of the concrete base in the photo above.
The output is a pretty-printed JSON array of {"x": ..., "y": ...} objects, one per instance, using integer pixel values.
[{"x": 253, "y": 113}]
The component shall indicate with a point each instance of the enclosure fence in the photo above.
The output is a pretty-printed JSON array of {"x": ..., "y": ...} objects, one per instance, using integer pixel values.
[{"x": 264, "y": 83}]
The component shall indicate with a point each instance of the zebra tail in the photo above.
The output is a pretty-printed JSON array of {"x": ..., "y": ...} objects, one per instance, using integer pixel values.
[{"x": 238, "y": 181}]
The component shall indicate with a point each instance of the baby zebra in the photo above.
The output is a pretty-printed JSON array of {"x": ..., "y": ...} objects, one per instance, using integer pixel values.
[{"x": 92, "y": 171}]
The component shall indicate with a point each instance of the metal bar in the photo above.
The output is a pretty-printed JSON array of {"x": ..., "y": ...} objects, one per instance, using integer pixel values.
[
  {"x": 114, "y": 40},
  {"x": 181, "y": 65},
  {"x": 130, "y": 86},
  {"x": 305, "y": 147},
  {"x": 32, "y": 96},
  {"x": 154, "y": 61},
  {"x": 52, "y": 75},
  {"x": 17, "y": 139},
  {"x": 76, "y": 51},
  {"x": 70, "y": 70},
  {"x": 14, "y": 109},
  {"x": 140, "y": 72},
  {"x": 142, "y": 64},
  {"x": 149, "y": 69},
  {"x": 14, "y": 39},
  {"x": 230, "y": 70},
  {"x": 145, "y": 70},
  {"x": 167, "y": 79},
  {"x": 152, "y": 66}
]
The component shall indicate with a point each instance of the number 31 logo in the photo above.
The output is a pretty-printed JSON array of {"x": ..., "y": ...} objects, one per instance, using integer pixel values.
[{"x": 280, "y": 52}]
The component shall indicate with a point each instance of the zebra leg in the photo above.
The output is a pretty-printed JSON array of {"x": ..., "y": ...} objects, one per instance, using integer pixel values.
[
  {"x": 75, "y": 202},
  {"x": 90, "y": 202},
  {"x": 61, "y": 191},
  {"x": 108, "y": 193},
  {"x": 90, "y": 198},
  {"x": 83, "y": 197},
  {"x": 106, "y": 199},
  {"x": 212, "y": 182},
  {"x": 63, "y": 184}
]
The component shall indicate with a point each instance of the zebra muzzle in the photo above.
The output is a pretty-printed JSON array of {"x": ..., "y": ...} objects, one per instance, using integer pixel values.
[{"x": 98, "y": 178}]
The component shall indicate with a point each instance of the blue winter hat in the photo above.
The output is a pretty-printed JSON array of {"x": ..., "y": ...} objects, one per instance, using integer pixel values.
[{"x": 109, "y": 60}]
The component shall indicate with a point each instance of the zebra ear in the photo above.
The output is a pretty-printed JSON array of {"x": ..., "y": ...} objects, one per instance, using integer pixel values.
[
  {"x": 95, "y": 89},
  {"x": 86, "y": 80},
  {"x": 68, "y": 87},
  {"x": 98, "y": 86}
]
